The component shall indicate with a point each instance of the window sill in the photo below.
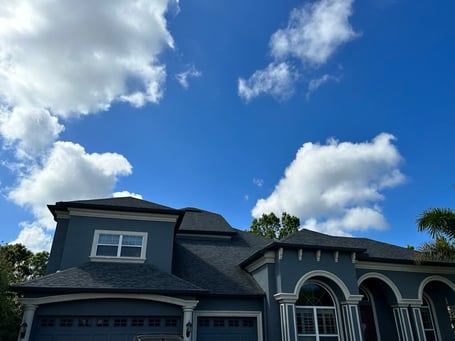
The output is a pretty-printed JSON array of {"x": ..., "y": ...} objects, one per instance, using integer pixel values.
[{"x": 117, "y": 259}]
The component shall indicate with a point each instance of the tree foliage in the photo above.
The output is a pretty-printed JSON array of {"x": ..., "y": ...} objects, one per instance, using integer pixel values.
[
  {"x": 270, "y": 226},
  {"x": 17, "y": 264},
  {"x": 440, "y": 224}
]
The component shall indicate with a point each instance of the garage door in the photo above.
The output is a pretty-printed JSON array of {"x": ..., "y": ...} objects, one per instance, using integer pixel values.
[
  {"x": 103, "y": 328},
  {"x": 227, "y": 328}
]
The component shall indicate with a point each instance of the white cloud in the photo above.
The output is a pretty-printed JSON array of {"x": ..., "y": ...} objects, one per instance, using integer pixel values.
[
  {"x": 313, "y": 33},
  {"x": 67, "y": 58},
  {"x": 79, "y": 57},
  {"x": 314, "y": 84},
  {"x": 30, "y": 131},
  {"x": 182, "y": 77},
  {"x": 126, "y": 194},
  {"x": 68, "y": 173},
  {"x": 62, "y": 59},
  {"x": 336, "y": 187},
  {"x": 34, "y": 237},
  {"x": 276, "y": 80}
]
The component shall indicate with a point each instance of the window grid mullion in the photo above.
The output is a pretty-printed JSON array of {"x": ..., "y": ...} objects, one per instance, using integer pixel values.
[
  {"x": 316, "y": 323},
  {"x": 119, "y": 246}
]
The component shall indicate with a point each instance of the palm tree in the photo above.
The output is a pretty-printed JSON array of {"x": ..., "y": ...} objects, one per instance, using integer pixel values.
[
  {"x": 440, "y": 224},
  {"x": 437, "y": 221}
]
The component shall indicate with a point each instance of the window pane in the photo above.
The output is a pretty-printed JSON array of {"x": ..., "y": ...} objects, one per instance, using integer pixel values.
[
  {"x": 103, "y": 250},
  {"x": 314, "y": 295},
  {"x": 132, "y": 240},
  {"x": 326, "y": 321},
  {"x": 111, "y": 239},
  {"x": 307, "y": 321},
  {"x": 130, "y": 251},
  {"x": 426, "y": 318}
]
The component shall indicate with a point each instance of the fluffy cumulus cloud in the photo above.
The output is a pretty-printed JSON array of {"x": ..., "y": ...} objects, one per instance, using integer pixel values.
[
  {"x": 313, "y": 33},
  {"x": 336, "y": 187},
  {"x": 68, "y": 173},
  {"x": 66, "y": 58},
  {"x": 62, "y": 59}
]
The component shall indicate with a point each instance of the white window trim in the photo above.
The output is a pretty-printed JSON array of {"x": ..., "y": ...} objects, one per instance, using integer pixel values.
[
  {"x": 315, "y": 318},
  {"x": 120, "y": 259}
]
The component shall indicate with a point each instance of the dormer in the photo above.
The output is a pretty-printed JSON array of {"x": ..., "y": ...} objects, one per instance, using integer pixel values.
[{"x": 126, "y": 230}]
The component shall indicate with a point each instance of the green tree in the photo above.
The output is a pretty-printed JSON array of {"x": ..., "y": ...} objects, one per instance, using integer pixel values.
[
  {"x": 270, "y": 226},
  {"x": 440, "y": 224},
  {"x": 17, "y": 264}
]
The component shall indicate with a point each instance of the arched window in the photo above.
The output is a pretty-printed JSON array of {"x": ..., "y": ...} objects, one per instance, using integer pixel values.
[
  {"x": 367, "y": 316},
  {"x": 316, "y": 315},
  {"x": 427, "y": 320}
]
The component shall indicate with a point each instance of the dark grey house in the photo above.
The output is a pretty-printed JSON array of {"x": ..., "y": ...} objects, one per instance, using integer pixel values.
[{"x": 122, "y": 268}]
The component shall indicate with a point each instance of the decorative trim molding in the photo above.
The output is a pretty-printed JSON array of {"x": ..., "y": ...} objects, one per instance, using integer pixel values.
[
  {"x": 171, "y": 218},
  {"x": 318, "y": 255},
  {"x": 91, "y": 296},
  {"x": 443, "y": 270},
  {"x": 267, "y": 258},
  {"x": 434, "y": 278},
  {"x": 284, "y": 297},
  {"x": 326, "y": 274},
  {"x": 392, "y": 286}
]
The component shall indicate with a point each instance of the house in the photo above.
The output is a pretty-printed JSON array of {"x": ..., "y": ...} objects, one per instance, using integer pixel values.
[{"x": 123, "y": 267}]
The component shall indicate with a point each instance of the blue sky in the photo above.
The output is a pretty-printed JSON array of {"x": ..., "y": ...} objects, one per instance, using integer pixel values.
[{"x": 340, "y": 112}]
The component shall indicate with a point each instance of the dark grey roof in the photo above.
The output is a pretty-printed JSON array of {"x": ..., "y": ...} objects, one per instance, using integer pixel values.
[
  {"x": 107, "y": 277},
  {"x": 213, "y": 264},
  {"x": 118, "y": 204},
  {"x": 368, "y": 248},
  {"x": 196, "y": 220}
]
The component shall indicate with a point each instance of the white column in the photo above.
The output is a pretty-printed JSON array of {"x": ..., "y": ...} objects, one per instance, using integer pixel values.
[
  {"x": 27, "y": 321},
  {"x": 403, "y": 323},
  {"x": 351, "y": 319},
  {"x": 187, "y": 323},
  {"x": 418, "y": 323}
]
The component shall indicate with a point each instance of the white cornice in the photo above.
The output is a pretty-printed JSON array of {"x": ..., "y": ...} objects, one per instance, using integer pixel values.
[
  {"x": 89, "y": 296},
  {"x": 172, "y": 218},
  {"x": 286, "y": 297},
  {"x": 447, "y": 270},
  {"x": 62, "y": 214},
  {"x": 267, "y": 258}
]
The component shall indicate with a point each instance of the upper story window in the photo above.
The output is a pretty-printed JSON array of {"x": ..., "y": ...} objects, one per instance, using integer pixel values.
[{"x": 119, "y": 246}]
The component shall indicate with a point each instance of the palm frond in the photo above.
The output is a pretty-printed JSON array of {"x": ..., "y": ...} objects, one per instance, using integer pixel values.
[
  {"x": 441, "y": 249},
  {"x": 437, "y": 222}
]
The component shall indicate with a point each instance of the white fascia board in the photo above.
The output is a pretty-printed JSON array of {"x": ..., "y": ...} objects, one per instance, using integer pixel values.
[
  {"x": 171, "y": 218},
  {"x": 448, "y": 270}
]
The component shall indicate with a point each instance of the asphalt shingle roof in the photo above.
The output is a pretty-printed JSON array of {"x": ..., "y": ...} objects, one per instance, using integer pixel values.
[
  {"x": 372, "y": 249},
  {"x": 204, "y": 221},
  {"x": 214, "y": 264},
  {"x": 118, "y": 204},
  {"x": 118, "y": 277}
]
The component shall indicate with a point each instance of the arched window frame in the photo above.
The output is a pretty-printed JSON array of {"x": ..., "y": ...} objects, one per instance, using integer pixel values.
[
  {"x": 335, "y": 308},
  {"x": 428, "y": 310}
]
